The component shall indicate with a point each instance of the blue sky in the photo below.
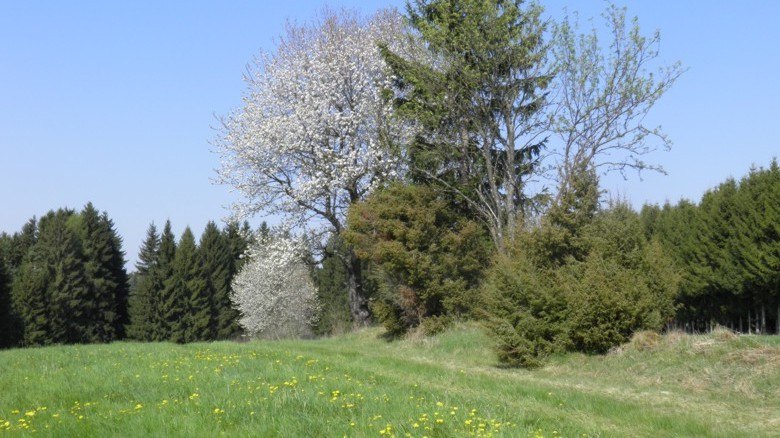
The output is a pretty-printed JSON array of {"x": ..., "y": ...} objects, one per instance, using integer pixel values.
[{"x": 114, "y": 102}]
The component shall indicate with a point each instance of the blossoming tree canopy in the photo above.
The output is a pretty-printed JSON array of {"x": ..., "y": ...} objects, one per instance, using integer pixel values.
[{"x": 315, "y": 131}]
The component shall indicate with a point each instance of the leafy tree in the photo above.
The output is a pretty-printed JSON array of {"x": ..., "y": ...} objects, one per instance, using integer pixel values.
[
  {"x": 315, "y": 132},
  {"x": 477, "y": 93},
  {"x": 603, "y": 94}
]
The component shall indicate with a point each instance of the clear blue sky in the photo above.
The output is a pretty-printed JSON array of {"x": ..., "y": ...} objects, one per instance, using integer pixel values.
[{"x": 113, "y": 102}]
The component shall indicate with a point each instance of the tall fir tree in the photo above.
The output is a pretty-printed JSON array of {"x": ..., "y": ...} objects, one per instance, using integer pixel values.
[
  {"x": 70, "y": 305},
  {"x": 143, "y": 299},
  {"x": 102, "y": 286},
  {"x": 163, "y": 273},
  {"x": 215, "y": 262},
  {"x": 118, "y": 273},
  {"x": 184, "y": 293},
  {"x": 30, "y": 299},
  {"x": 200, "y": 307},
  {"x": 21, "y": 243}
]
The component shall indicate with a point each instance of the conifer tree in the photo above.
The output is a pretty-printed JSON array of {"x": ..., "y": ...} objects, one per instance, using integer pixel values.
[
  {"x": 199, "y": 301},
  {"x": 70, "y": 306},
  {"x": 143, "y": 300},
  {"x": 215, "y": 259},
  {"x": 21, "y": 243},
  {"x": 163, "y": 273},
  {"x": 30, "y": 299},
  {"x": 183, "y": 301},
  {"x": 118, "y": 273},
  {"x": 97, "y": 251}
]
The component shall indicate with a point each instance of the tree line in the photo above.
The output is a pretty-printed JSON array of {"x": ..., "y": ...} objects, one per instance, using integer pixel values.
[
  {"x": 728, "y": 248},
  {"x": 63, "y": 280}
]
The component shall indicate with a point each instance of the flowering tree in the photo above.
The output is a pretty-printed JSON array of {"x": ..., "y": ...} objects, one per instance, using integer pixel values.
[
  {"x": 315, "y": 132},
  {"x": 273, "y": 291}
]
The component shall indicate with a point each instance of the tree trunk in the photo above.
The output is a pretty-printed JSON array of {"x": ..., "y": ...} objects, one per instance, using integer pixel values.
[
  {"x": 777, "y": 321},
  {"x": 763, "y": 318},
  {"x": 749, "y": 328},
  {"x": 358, "y": 303}
]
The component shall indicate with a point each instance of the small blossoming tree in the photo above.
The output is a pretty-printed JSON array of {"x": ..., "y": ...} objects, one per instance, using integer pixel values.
[{"x": 274, "y": 292}]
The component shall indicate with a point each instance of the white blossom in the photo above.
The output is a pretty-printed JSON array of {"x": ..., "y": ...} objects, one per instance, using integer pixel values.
[
  {"x": 315, "y": 132},
  {"x": 273, "y": 291}
]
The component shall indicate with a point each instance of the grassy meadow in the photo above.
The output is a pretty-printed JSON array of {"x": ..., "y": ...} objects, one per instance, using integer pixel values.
[{"x": 360, "y": 385}]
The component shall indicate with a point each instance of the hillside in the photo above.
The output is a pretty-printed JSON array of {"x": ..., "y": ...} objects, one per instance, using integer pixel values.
[{"x": 361, "y": 385}]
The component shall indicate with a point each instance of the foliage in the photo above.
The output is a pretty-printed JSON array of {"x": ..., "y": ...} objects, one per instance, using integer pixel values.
[
  {"x": 603, "y": 94},
  {"x": 105, "y": 274},
  {"x": 476, "y": 92},
  {"x": 274, "y": 292},
  {"x": 332, "y": 281},
  {"x": 617, "y": 283},
  {"x": 728, "y": 247},
  {"x": 143, "y": 299},
  {"x": 426, "y": 257},
  {"x": 315, "y": 132},
  {"x": 215, "y": 263}
]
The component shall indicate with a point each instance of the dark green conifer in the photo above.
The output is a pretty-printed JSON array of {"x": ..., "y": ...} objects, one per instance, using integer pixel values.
[
  {"x": 102, "y": 286},
  {"x": 184, "y": 293},
  {"x": 216, "y": 264},
  {"x": 163, "y": 274},
  {"x": 143, "y": 299}
]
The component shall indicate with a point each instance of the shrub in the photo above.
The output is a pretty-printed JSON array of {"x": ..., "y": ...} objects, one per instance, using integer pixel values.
[
  {"x": 618, "y": 284},
  {"x": 426, "y": 259}
]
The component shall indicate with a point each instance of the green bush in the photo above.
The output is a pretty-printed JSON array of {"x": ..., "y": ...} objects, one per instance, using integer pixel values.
[
  {"x": 618, "y": 284},
  {"x": 426, "y": 259}
]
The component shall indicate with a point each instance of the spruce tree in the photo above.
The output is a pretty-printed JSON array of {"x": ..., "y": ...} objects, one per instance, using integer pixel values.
[
  {"x": 30, "y": 299},
  {"x": 200, "y": 306},
  {"x": 72, "y": 308},
  {"x": 116, "y": 268},
  {"x": 187, "y": 309},
  {"x": 97, "y": 251},
  {"x": 143, "y": 299},
  {"x": 21, "y": 243},
  {"x": 216, "y": 262},
  {"x": 163, "y": 274}
]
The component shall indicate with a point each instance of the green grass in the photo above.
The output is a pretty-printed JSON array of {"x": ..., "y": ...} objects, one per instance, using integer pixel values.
[{"x": 360, "y": 385}]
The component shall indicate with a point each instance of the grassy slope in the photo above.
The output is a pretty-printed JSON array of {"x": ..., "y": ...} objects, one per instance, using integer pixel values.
[{"x": 359, "y": 385}]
